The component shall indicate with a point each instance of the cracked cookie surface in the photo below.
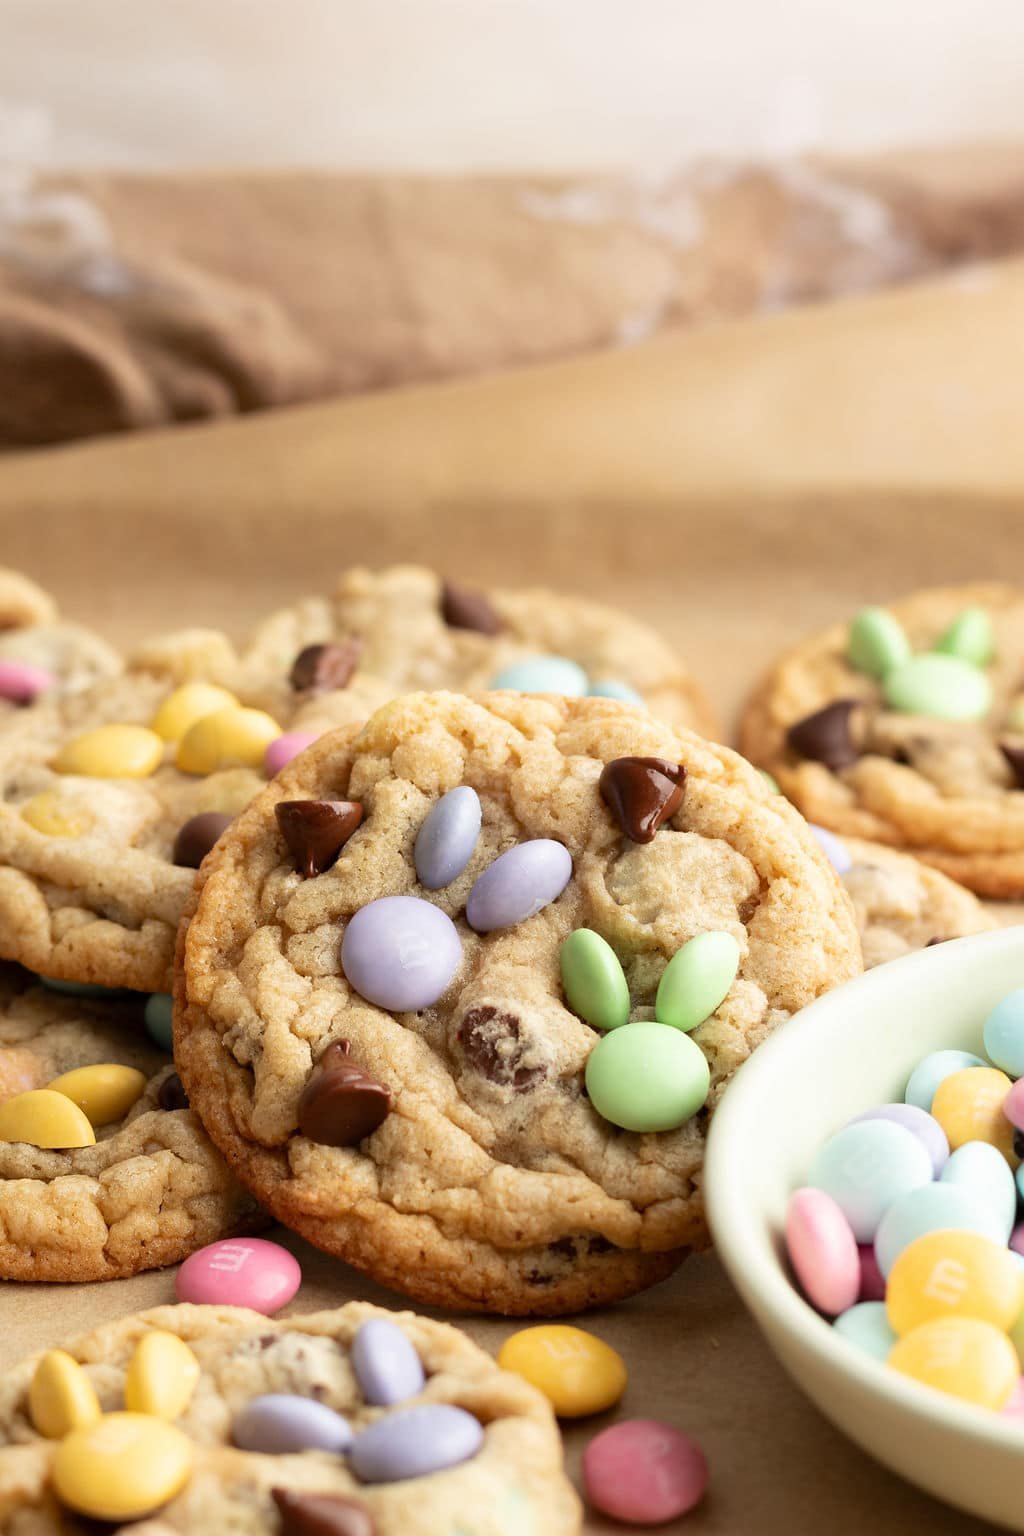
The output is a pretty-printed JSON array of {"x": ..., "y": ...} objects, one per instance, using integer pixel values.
[
  {"x": 941, "y": 789},
  {"x": 514, "y": 1484},
  {"x": 902, "y": 904},
  {"x": 493, "y": 1183},
  {"x": 402, "y": 618},
  {"x": 151, "y": 1191}
]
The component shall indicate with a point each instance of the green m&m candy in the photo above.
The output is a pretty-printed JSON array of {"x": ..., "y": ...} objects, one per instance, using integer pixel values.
[
  {"x": 877, "y": 643},
  {"x": 969, "y": 637},
  {"x": 696, "y": 980},
  {"x": 944, "y": 687},
  {"x": 647, "y": 1077},
  {"x": 594, "y": 981}
]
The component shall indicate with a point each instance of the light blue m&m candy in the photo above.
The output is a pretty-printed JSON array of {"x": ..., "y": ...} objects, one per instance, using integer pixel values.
[
  {"x": 934, "y": 1208},
  {"x": 867, "y": 1326},
  {"x": 544, "y": 674},
  {"x": 1004, "y": 1033},
  {"x": 983, "y": 1171},
  {"x": 157, "y": 1019},
  {"x": 610, "y": 689},
  {"x": 933, "y": 1070},
  {"x": 865, "y": 1167}
]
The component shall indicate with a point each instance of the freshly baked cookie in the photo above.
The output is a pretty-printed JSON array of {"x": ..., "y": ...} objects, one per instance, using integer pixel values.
[
  {"x": 407, "y": 626},
  {"x": 99, "y": 794},
  {"x": 38, "y": 650},
  {"x": 906, "y": 727},
  {"x": 357, "y": 1422},
  {"x": 149, "y": 1192},
  {"x": 382, "y": 997}
]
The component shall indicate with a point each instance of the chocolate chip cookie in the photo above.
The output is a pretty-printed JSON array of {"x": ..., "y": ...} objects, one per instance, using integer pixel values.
[
  {"x": 39, "y": 651},
  {"x": 416, "y": 631},
  {"x": 905, "y": 726},
  {"x": 356, "y": 1422},
  {"x": 146, "y": 1187},
  {"x": 459, "y": 992},
  {"x": 110, "y": 796}
]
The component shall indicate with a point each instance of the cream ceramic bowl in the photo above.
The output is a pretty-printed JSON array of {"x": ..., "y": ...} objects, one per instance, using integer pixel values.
[{"x": 852, "y": 1049}]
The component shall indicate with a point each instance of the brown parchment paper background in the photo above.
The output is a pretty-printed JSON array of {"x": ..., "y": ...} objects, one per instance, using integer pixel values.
[{"x": 735, "y": 488}]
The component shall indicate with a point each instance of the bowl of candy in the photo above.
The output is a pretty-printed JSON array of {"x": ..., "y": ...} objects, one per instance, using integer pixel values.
[{"x": 863, "y": 1193}]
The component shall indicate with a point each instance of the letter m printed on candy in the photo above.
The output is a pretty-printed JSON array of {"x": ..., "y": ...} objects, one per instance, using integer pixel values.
[
  {"x": 947, "y": 1282},
  {"x": 231, "y": 1257}
]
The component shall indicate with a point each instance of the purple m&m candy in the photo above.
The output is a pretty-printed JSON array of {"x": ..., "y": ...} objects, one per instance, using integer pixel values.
[
  {"x": 280, "y": 752},
  {"x": 445, "y": 842},
  {"x": 923, "y": 1125},
  {"x": 401, "y": 953},
  {"x": 279, "y": 1424},
  {"x": 428, "y": 1438},
  {"x": 519, "y": 884},
  {"x": 834, "y": 850},
  {"x": 240, "y": 1272},
  {"x": 387, "y": 1367},
  {"x": 21, "y": 682}
]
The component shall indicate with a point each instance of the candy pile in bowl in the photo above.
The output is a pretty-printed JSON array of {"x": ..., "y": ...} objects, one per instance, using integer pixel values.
[{"x": 906, "y": 1231}]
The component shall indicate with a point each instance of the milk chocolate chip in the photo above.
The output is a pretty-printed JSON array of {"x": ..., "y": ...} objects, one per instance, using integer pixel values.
[
  {"x": 1015, "y": 757},
  {"x": 197, "y": 836},
  {"x": 317, "y": 830},
  {"x": 171, "y": 1093},
  {"x": 341, "y": 1103},
  {"x": 491, "y": 1044},
  {"x": 321, "y": 668},
  {"x": 825, "y": 737},
  {"x": 642, "y": 793},
  {"x": 322, "y": 1514},
  {"x": 462, "y": 608}
]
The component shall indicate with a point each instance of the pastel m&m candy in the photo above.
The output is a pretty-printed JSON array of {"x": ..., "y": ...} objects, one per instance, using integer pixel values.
[
  {"x": 953, "y": 1274},
  {"x": 647, "y": 1077},
  {"x": 594, "y": 981},
  {"x": 281, "y": 751},
  {"x": 43, "y": 1118},
  {"x": 519, "y": 884},
  {"x": 111, "y": 752},
  {"x": 983, "y": 1171},
  {"x": 415, "y": 1442},
  {"x": 185, "y": 705},
  {"x": 867, "y": 1327},
  {"x": 697, "y": 980},
  {"x": 105, "y": 1092},
  {"x": 923, "y": 1125},
  {"x": 400, "y": 952},
  {"x": 162, "y": 1375},
  {"x": 969, "y": 1107},
  {"x": 963, "y": 1356},
  {"x": 823, "y": 1251},
  {"x": 933, "y": 1070},
  {"x": 578, "y": 1373},
  {"x": 240, "y": 1272},
  {"x": 644, "y": 1472},
  {"x": 61, "y": 1397},
  {"x": 21, "y": 681},
  {"x": 122, "y": 1467},
  {"x": 229, "y": 737},
  {"x": 386, "y": 1364},
  {"x": 865, "y": 1167},
  {"x": 282, "y": 1424},
  {"x": 1003, "y": 1033},
  {"x": 934, "y": 1208},
  {"x": 543, "y": 674},
  {"x": 446, "y": 840}
]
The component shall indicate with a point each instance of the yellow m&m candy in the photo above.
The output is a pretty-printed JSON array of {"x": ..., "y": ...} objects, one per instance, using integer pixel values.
[
  {"x": 226, "y": 739},
  {"x": 43, "y": 1118},
  {"x": 963, "y": 1356},
  {"x": 578, "y": 1373},
  {"x": 48, "y": 813},
  {"x": 969, "y": 1107},
  {"x": 122, "y": 1467},
  {"x": 105, "y": 1093},
  {"x": 187, "y": 704},
  {"x": 162, "y": 1376},
  {"x": 61, "y": 1397},
  {"x": 112, "y": 752},
  {"x": 953, "y": 1274}
]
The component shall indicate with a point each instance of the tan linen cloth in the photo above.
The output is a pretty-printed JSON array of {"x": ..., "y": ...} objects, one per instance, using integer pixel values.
[
  {"x": 736, "y": 489},
  {"x": 131, "y": 301}
]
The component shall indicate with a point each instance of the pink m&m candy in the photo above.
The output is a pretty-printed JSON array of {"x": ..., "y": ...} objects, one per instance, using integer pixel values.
[
  {"x": 281, "y": 751},
  {"x": 644, "y": 1472},
  {"x": 20, "y": 681},
  {"x": 823, "y": 1251},
  {"x": 1014, "y": 1407},
  {"x": 240, "y": 1272},
  {"x": 1013, "y": 1105}
]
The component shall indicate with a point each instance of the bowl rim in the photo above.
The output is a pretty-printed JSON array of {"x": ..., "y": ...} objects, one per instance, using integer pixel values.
[{"x": 763, "y": 1283}]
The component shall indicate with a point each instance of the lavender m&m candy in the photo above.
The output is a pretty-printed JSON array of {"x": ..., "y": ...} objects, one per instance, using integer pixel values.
[
  {"x": 21, "y": 682},
  {"x": 833, "y": 848},
  {"x": 414, "y": 1442},
  {"x": 445, "y": 841},
  {"x": 519, "y": 884},
  {"x": 644, "y": 1472},
  {"x": 401, "y": 953},
  {"x": 280, "y": 1424},
  {"x": 387, "y": 1367},
  {"x": 923, "y": 1125},
  {"x": 280, "y": 752},
  {"x": 240, "y": 1272}
]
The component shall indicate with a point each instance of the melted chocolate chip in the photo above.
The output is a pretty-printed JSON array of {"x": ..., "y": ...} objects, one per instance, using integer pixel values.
[
  {"x": 171, "y": 1093},
  {"x": 1015, "y": 758},
  {"x": 341, "y": 1104},
  {"x": 462, "y": 608},
  {"x": 197, "y": 836},
  {"x": 317, "y": 830},
  {"x": 322, "y": 1514},
  {"x": 490, "y": 1042},
  {"x": 642, "y": 793},
  {"x": 322, "y": 668},
  {"x": 825, "y": 737}
]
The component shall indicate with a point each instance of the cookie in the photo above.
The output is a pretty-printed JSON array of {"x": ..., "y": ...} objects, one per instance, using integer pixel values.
[
  {"x": 409, "y": 627},
  {"x": 232, "y": 1463},
  {"x": 470, "y": 1165},
  {"x": 39, "y": 652},
  {"x": 906, "y": 727},
  {"x": 149, "y": 1192},
  {"x": 98, "y": 832}
]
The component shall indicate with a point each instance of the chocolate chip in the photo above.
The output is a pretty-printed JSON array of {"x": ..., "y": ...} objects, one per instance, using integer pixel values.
[
  {"x": 322, "y": 668},
  {"x": 491, "y": 1045},
  {"x": 197, "y": 836},
  {"x": 536, "y": 1277},
  {"x": 341, "y": 1103},
  {"x": 825, "y": 737},
  {"x": 322, "y": 1514},
  {"x": 171, "y": 1093},
  {"x": 599, "y": 1244},
  {"x": 317, "y": 830},
  {"x": 937, "y": 941},
  {"x": 642, "y": 793},
  {"x": 564, "y": 1246},
  {"x": 1015, "y": 757},
  {"x": 462, "y": 608}
]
